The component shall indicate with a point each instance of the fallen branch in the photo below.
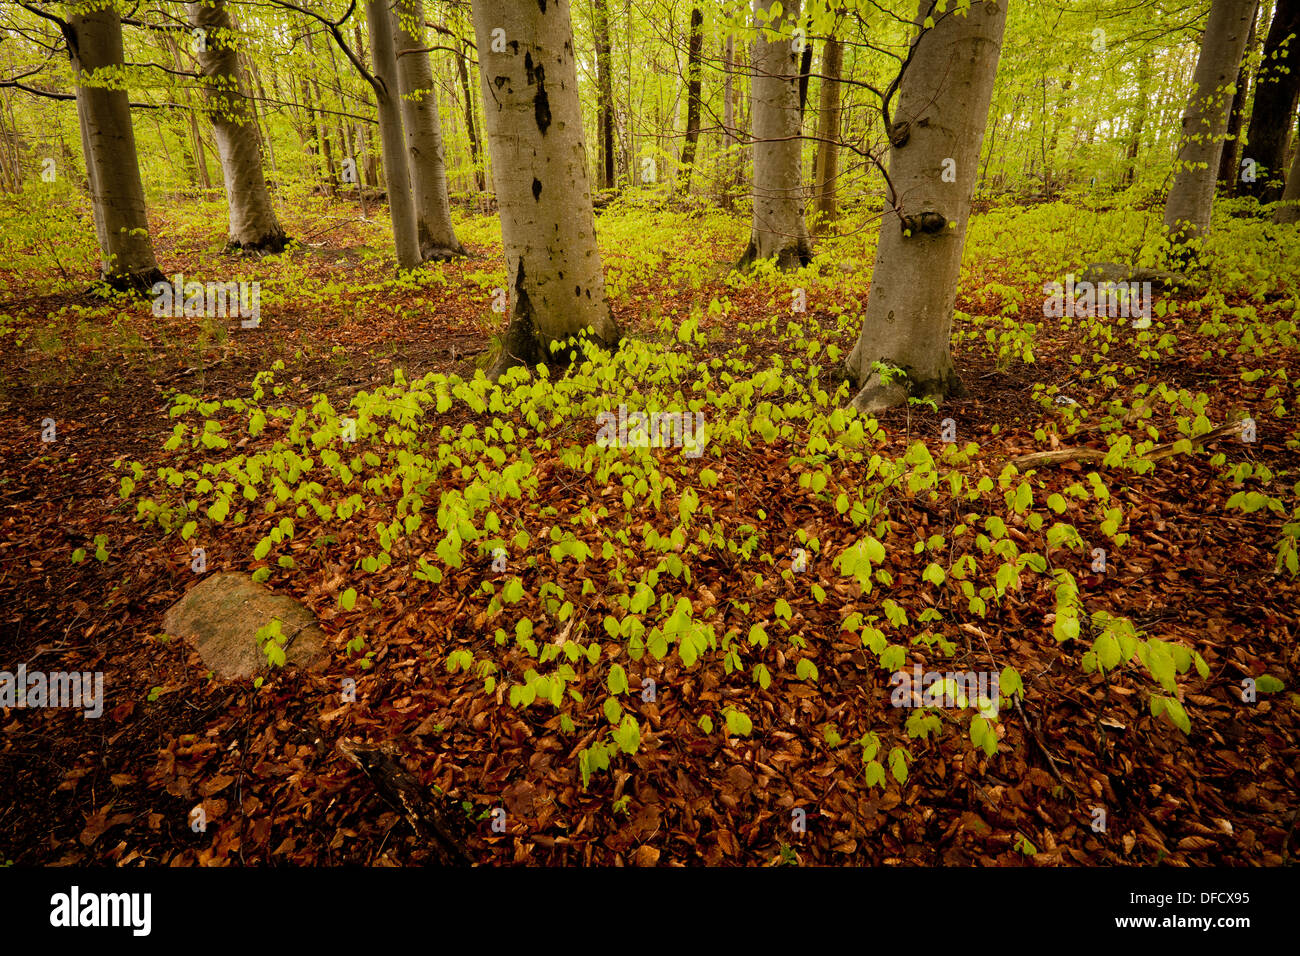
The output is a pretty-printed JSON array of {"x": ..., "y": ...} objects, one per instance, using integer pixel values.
[
  {"x": 1062, "y": 455},
  {"x": 405, "y": 795}
]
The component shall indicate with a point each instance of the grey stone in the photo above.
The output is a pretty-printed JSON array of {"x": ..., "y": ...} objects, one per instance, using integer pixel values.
[{"x": 220, "y": 617}]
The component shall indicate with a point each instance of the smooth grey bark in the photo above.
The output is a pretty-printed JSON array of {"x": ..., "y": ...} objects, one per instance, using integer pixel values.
[
  {"x": 423, "y": 135},
  {"x": 827, "y": 164},
  {"x": 935, "y": 136},
  {"x": 539, "y": 165},
  {"x": 1205, "y": 125},
  {"x": 112, "y": 168},
  {"x": 1277, "y": 91},
  {"x": 253, "y": 224},
  {"x": 779, "y": 231},
  {"x": 401, "y": 204},
  {"x": 1228, "y": 169}
]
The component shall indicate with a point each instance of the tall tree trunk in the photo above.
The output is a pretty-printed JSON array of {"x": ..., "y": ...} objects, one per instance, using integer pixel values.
[
  {"x": 727, "y": 180},
  {"x": 1139, "y": 118},
  {"x": 1289, "y": 209},
  {"x": 330, "y": 172},
  {"x": 605, "y": 88},
  {"x": 539, "y": 166},
  {"x": 462, "y": 68},
  {"x": 936, "y": 135},
  {"x": 1205, "y": 122},
  {"x": 1277, "y": 89},
  {"x": 694, "y": 50},
  {"x": 423, "y": 135},
  {"x": 779, "y": 231},
  {"x": 805, "y": 72},
  {"x": 254, "y": 78},
  {"x": 305, "y": 125},
  {"x": 401, "y": 204},
  {"x": 201, "y": 177},
  {"x": 371, "y": 165},
  {"x": 827, "y": 164},
  {"x": 1049, "y": 149},
  {"x": 112, "y": 167},
  {"x": 1227, "y": 176},
  {"x": 253, "y": 224}
]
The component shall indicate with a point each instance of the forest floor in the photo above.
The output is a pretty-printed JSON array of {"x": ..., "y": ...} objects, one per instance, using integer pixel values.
[{"x": 784, "y": 704}]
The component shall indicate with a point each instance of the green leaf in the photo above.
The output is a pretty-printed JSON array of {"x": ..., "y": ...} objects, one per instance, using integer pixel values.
[
  {"x": 738, "y": 723},
  {"x": 617, "y": 680},
  {"x": 628, "y": 735},
  {"x": 1066, "y": 626},
  {"x": 898, "y": 764},
  {"x": 513, "y": 591},
  {"x": 874, "y": 774}
]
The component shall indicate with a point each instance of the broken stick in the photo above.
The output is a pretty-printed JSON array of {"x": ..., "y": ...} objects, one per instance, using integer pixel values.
[{"x": 403, "y": 792}]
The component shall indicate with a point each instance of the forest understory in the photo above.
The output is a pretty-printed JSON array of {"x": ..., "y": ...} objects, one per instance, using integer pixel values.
[{"x": 768, "y": 587}]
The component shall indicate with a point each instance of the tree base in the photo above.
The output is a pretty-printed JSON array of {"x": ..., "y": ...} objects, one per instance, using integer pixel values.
[
  {"x": 788, "y": 258},
  {"x": 435, "y": 253},
  {"x": 135, "y": 283},
  {"x": 269, "y": 244},
  {"x": 522, "y": 346},
  {"x": 877, "y": 396}
]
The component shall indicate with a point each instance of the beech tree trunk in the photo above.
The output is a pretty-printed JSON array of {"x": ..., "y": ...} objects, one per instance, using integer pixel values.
[
  {"x": 935, "y": 138},
  {"x": 779, "y": 231},
  {"x": 366, "y": 141},
  {"x": 729, "y": 139},
  {"x": 1205, "y": 124},
  {"x": 316, "y": 110},
  {"x": 1277, "y": 89},
  {"x": 1139, "y": 119},
  {"x": 423, "y": 135},
  {"x": 1289, "y": 210},
  {"x": 827, "y": 164},
  {"x": 401, "y": 204},
  {"x": 253, "y": 224},
  {"x": 534, "y": 133},
  {"x": 480, "y": 181},
  {"x": 1229, "y": 171},
  {"x": 605, "y": 85},
  {"x": 694, "y": 50},
  {"x": 112, "y": 168}
]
